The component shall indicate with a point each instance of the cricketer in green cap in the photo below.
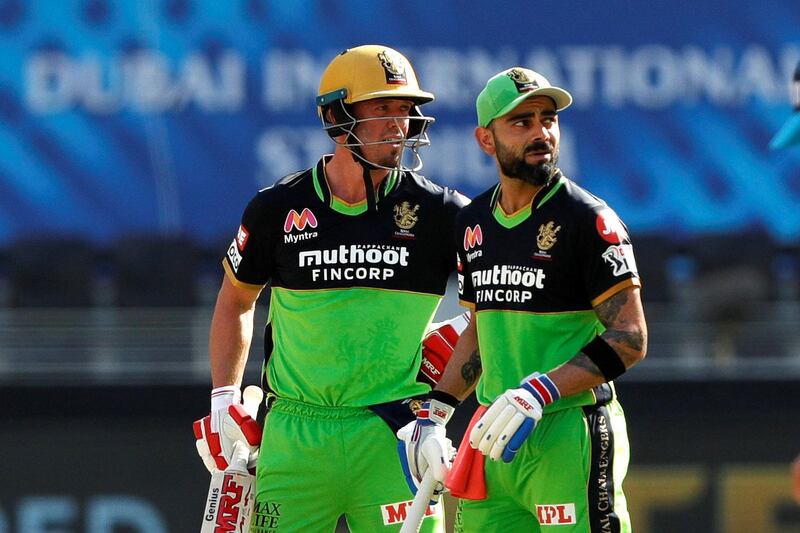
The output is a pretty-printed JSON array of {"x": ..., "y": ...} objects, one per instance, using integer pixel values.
[{"x": 506, "y": 90}]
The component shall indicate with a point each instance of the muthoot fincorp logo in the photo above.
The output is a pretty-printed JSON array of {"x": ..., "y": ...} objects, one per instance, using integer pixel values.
[
  {"x": 506, "y": 283},
  {"x": 357, "y": 261}
]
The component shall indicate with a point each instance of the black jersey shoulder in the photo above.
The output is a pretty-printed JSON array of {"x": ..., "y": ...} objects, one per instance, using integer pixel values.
[
  {"x": 287, "y": 189},
  {"x": 571, "y": 199},
  {"x": 578, "y": 200},
  {"x": 450, "y": 198},
  {"x": 291, "y": 191},
  {"x": 477, "y": 209}
]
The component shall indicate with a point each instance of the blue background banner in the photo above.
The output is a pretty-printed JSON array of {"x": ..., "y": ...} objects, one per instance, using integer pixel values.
[{"x": 166, "y": 116}]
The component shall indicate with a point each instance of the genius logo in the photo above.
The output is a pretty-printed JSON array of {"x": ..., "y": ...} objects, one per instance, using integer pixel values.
[
  {"x": 306, "y": 218},
  {"x": 473, "y": 237}
]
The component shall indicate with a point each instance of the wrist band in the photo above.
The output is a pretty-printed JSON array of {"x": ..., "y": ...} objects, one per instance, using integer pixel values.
[
  {"x": 222, "y": 397},
  {"x": 444, "y": 397},
  {"x": 605, "y": 357},
  {"x": 542, "y": 388}
]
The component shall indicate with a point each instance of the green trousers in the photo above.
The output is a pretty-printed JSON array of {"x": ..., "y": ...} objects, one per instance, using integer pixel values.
[
  {"x": 566, "y": 478},
  {"x": 318, "y": 463}
]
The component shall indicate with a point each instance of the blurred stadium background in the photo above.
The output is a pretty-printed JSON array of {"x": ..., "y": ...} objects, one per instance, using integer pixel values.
[{"x": 133, "y": 132}]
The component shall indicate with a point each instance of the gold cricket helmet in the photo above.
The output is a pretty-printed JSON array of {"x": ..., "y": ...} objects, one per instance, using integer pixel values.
[
  {"x": 370, "y": 71},
  {"x": 365, "y": 73}
]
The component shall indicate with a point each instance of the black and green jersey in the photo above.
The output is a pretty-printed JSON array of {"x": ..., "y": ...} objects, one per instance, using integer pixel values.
[
  {"x": 353, "y": 289},
  {"x": 533, "y": 277}
]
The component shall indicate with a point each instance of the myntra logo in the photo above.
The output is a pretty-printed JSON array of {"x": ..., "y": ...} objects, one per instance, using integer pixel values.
[
  {"x": 473, "y": 237},
  {"x": 306, "y": 218},
  {"x": 556, "y": 514}
]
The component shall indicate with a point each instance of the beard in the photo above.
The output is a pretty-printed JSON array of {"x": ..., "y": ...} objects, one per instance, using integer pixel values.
[{"x": 513, "y": 164}]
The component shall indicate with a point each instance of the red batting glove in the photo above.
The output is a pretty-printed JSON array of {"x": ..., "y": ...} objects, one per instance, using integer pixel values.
[
  {"x": 227, "y": 423},
  {"x": 437, "y": 347}
]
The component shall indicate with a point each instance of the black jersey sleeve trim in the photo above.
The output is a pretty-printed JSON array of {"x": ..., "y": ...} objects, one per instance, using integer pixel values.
[
  {"x": 241, "y": 284},
  {"x": 624, "y": 284},
  {"x": 468, "y": 305}
]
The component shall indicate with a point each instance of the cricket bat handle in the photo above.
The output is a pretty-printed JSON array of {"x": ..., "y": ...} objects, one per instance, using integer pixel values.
[{"x": 416, "y": 513}]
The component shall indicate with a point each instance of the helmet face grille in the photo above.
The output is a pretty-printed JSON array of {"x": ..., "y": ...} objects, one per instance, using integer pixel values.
[{"x": 345, "y": 124}]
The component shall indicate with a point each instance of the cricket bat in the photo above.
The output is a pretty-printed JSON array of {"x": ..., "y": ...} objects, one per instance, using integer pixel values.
[
  {"x": 229, "y": 504},
  {"x": 416, "y": 513}
]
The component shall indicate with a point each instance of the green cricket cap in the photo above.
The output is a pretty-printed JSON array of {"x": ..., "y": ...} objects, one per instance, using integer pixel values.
[{"x": 506, "y": 90}]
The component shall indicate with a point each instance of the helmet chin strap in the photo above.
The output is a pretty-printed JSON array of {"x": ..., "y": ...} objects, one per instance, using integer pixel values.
[
  {"x": 367, "y": 166},
  {"x": 372, "y": 204}
]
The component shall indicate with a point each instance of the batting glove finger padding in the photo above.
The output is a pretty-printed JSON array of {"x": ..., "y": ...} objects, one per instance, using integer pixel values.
[
  {"x": 500, "y": 432},
  {"x": 227, "y": 424},
  {"x": 425, "y": 445},
  {"x": 202, "y": 446}
]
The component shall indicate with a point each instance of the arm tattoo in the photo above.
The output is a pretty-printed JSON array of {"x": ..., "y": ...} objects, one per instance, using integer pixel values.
[
  {"x": 633, "y": 340},
  {"x": 608, "y": 311},
  {"x": 625, "y": 336},
  {"x": 582, "y": 361},
  {"x": 471, "y": 370}
]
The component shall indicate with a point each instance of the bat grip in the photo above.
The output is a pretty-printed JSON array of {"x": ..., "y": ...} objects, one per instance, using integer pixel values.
[{"x": 416, "y": 513}]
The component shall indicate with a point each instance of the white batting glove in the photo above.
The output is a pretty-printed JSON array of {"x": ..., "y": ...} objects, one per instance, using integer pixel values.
[
  {"x": 229, "y": 422},
  {"x": 425, "y": 445},
  {"x": 503, "y": 428}
]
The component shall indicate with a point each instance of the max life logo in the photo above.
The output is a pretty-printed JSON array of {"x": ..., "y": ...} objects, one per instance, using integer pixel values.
[
  {"x": 231, "y": 504},
  {"x": 556, "y": 514},
  {"x": 299, "y": 221},
  {"x": 396, "y": 513}
]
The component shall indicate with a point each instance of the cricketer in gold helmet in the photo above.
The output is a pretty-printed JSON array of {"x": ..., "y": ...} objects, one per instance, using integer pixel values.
[{"x": 364, "y": 73}]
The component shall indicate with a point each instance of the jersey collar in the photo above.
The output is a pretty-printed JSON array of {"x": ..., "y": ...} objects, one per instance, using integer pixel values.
[
  {"x": 540, "y": 198},
  {"x": 323, "y": 190}
]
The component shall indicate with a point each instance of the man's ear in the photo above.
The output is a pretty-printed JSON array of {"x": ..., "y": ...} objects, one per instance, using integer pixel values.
[{"x": 485, "y": 139}]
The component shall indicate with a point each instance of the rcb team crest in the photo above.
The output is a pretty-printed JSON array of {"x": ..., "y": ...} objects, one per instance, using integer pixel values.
[
  {"x": 547, "y": 235},
  {"x": 394, "y": 68},
  {"x": 404, "y": 216},
  {"x": 522, "y": 81}
]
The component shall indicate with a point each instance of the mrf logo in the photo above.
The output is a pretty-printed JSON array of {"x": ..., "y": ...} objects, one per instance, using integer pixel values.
[
  {"x": 556, "y": 514},
  {"x": 395, "y": 513},
  {"x": 524, "y": 404},
  {"x": 230, "y": 508},
  {"x": 473, "y": 237}
]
